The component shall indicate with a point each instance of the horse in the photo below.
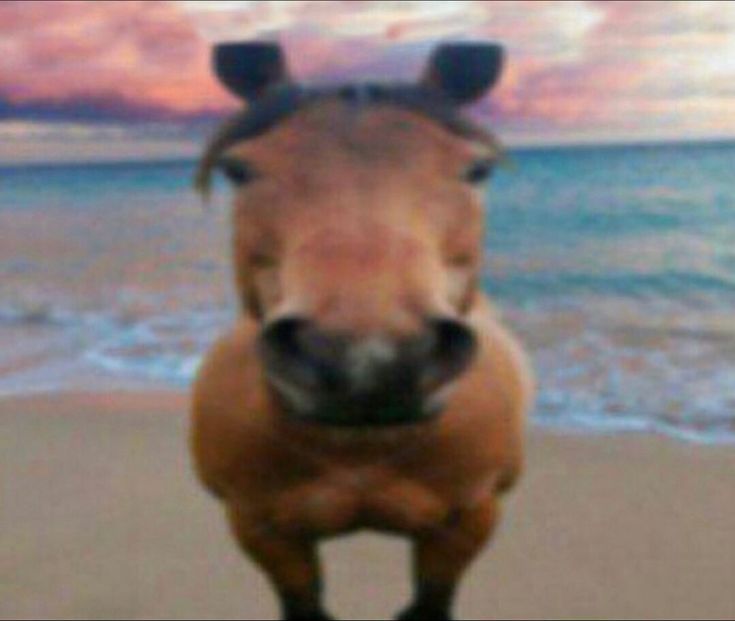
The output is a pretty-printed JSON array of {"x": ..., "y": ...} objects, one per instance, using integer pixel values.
[{"x": 367, "y": 382}]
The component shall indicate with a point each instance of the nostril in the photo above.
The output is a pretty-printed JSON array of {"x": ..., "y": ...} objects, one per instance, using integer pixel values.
[
  {"x": 281, "y": 337},
  {"x": 293, "y": 349},
  {"x": 282, "y": 350},
  {"x": 453, "y": 346},
  {"x": 453, "y": 337}
]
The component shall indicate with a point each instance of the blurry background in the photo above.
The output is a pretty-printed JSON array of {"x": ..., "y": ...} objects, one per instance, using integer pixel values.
[
  {"x": 610, "y": 237},
  {"x": 609, "y": 249}
]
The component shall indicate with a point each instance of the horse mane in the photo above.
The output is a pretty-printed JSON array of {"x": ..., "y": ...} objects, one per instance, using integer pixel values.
[{"x": 282, "y": 102}]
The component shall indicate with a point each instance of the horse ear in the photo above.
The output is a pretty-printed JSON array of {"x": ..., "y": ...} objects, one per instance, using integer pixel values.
[
  {"x": 464, "y": 72},
  {"x": 248, "y": 69}
]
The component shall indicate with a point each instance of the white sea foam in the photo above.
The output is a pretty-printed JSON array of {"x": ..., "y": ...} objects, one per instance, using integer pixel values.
[
  {"x": 593, "y": 382},
  {"x": 618, "y": 276}
]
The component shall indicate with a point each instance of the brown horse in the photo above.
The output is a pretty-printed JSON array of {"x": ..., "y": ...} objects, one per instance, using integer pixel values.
[{"x": 368, "y": 383}]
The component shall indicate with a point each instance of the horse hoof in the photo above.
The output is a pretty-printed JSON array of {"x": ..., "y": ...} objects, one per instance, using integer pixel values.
[{"x": 416, "y": 614}]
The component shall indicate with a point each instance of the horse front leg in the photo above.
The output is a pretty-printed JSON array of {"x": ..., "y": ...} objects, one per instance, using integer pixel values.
[
  {"x": 290, "y": 562},
  {"x": 441, "y": 557}
]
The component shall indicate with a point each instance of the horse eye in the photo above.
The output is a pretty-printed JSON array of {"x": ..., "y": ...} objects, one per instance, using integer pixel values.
[
  {"x": 263, "y": 260},
  {"x": 478, "y": 172},
  {"x": 461, "y": 260},
  {"x": 237, "y": 171}
]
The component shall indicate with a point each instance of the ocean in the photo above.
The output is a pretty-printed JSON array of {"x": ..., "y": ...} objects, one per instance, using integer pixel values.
[{"x": 615, "y": 264}]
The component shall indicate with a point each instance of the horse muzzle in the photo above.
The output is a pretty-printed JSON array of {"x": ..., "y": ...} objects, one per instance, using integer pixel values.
[{"x": 333, "y": 378}]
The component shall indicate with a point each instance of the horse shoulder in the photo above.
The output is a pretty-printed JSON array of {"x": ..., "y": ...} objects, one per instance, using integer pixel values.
[
  {"x": 229, "y": 411},
  {"x": 497, "y": 394},
  {"x": 501, "y": 349}
]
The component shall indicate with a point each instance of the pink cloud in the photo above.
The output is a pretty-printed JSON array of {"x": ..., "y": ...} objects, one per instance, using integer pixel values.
[
  {"x": 147, "y": 53},
  {"x": 596, "y": 66}
]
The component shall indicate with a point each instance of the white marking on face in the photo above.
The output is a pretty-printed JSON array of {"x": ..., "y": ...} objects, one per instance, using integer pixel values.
[
  {"x": 437, "y": 400},
  {"x": 297, "y": 397},
  {"x": 365, "y": 356}
]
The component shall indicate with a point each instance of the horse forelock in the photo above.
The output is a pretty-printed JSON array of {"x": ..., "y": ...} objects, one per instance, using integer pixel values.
[{"x": 283, "y": 102}]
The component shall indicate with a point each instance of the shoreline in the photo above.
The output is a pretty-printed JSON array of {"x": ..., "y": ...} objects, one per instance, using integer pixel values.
[
  {"x": 584, "y": 427},
  {"x": 102, "y": 518}
]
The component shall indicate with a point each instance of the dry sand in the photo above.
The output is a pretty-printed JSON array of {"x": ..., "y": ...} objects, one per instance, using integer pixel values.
[{"x": 100, "y": 517}]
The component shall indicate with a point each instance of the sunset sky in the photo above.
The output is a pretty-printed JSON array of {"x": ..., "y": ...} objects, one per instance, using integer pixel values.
[{"x": 82, "y": 80}]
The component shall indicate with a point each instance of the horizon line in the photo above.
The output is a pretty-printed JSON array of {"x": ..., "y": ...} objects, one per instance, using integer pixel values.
[{"x": 520, "y": 146}]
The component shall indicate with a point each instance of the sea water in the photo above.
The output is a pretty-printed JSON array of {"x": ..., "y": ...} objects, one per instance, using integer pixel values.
[{"x": 615, "y": 265}]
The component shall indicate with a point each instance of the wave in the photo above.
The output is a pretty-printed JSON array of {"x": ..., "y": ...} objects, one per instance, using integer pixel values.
[
  {"x": 680, "y": 383},
  {"x": 675, "y": 285},
  {"x": 159, "y": 348},
  {"x": 675, "y": 379}
]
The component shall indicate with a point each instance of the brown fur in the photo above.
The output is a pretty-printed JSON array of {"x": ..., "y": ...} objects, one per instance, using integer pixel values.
[{"x": 360, "y": 219}]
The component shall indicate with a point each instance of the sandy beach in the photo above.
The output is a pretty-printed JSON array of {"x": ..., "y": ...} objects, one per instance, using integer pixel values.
[{"x": 101, "y": 517}]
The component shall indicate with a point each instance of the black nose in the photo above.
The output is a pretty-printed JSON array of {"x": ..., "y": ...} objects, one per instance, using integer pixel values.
[
  {"x": 294, "y": 350},
  {"x": 365, "y": 378},
  {"x": 447, "y": 349}
]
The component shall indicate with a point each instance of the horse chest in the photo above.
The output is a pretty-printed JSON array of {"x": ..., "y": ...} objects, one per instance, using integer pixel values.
[{"x": 349, "y": 501}]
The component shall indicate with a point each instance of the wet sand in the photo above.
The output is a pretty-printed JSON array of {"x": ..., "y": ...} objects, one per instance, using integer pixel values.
[{"x": 101, "y": 517}]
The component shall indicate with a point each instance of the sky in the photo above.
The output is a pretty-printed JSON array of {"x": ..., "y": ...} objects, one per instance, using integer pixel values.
[{"x": 132, "y": 80}]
